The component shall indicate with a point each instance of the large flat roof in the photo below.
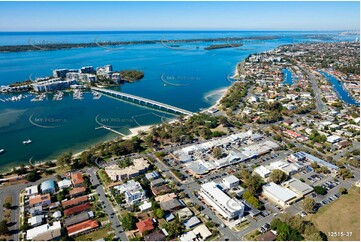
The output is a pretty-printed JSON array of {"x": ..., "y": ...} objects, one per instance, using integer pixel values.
[
  {"x": 320, "y": 162},
  {"x": 299, "y": 187},
  {"x": 221, "y": 197},
  {"x": 283, "y": 194}
]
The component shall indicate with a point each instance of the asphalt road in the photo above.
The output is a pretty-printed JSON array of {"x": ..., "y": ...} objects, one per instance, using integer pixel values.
[
  {"x": 320, "y": 106},
  {"x": 108, "y": 209},
  {"x": 14, "y": 192}
]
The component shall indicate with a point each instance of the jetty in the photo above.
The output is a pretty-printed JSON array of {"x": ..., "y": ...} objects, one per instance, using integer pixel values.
[{"x": 110, "y": 129}]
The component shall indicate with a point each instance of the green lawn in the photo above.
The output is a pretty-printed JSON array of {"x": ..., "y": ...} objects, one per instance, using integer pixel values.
[
  {"x": 343, "y": 215},
  {"x": 95, "y": 235}
]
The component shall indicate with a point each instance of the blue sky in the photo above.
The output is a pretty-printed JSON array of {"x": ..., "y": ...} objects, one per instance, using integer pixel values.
[{"x": 62, "y": 16}]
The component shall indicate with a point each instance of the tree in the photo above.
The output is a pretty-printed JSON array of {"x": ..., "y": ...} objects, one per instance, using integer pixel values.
[
  {"x": 308, "y": 204},
  {"x": 64, "y": 159},
  {"x": 342, "y": 190},
  {"x": 253, "y": 183},
  {"x": 344, "y": 173},
  {"x": 174, "y": 228},
  {"x": 32, "y": 176},
  {"x": 159, "y": 213},
  {"x": 340, "y": 164},
  {"x": 128, "y": 221},
  {"x": 24, "y": 227},
  {"x": 275, "y": 223},
  {"x": 7, "y": 205},
  {"x": 320, "y": 190},
  {"x": 87, "y": 158},
  {"x": 60, "y": 196},
  {"x": 4, "y": 230},
  {"x": 278, "y": 176},
  {"x": 314, "y": 237},
  {"x": 217, "y": 152},
  {"x": 182, "y": 195},
  {"x": 251, "y": 199}
]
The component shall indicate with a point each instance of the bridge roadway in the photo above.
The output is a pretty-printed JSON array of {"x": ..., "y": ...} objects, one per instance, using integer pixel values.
[{"x": 141, "y": 100}]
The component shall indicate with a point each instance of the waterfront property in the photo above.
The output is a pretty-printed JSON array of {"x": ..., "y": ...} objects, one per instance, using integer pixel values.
[
  {"x": 53, "y": 84},
  {"x": 115, "y": 173}
]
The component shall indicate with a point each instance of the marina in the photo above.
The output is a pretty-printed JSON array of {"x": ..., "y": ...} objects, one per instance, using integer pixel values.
[
  {"x": 78, "y": 95},
  {"x": 58, "y": 96}
]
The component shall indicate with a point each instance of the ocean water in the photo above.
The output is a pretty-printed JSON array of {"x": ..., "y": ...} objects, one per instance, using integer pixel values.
[{"x": 186, "y": 76}]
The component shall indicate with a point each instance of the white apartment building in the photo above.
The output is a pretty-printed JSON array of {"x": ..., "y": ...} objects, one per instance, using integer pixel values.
[
  {"x": 133, "y": 192},
  {"x": 228, "y": 208}
]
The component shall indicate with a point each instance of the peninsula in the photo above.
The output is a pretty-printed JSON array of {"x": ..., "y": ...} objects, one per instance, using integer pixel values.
[{"x": 34, "y": 46}]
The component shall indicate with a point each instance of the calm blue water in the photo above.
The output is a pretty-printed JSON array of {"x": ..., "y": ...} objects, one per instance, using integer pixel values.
[
  {"x": 341, "y": 92},
  {"x": 73, "y": 122}
]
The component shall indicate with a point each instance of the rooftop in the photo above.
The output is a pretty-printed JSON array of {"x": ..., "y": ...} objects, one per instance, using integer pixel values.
[
  {"x": 77, "y": 178},
  {"x": 39, "y": 199},
  {"x": 77, "y": 209},
  {"x": 191, "y": 222},
  {"x": 281, "y": 193},
  {"x": 78, "y": 218},
  {"x": 32, "y": 190},
  {"x": 222, "y": 198},
  {"x": 81, "y": 227},
  {"x": 145, "y": 225},
  {"x": 299, "y": 187},
  {"x": 47, "y": 231},
  {"x": 231, "y": 179},
  {"x": 74, "y": 201},
  {"x": 76, "y": 190},
  {"x": 155, "y": 236},
  {"x": 49, "y": 184}
]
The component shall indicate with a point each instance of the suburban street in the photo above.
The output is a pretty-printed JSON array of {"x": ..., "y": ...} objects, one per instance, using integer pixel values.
[
  {"x": 14, "y": 192},
  {"x": 113, "y": 218},
  {"x": 320, "y": 106}
]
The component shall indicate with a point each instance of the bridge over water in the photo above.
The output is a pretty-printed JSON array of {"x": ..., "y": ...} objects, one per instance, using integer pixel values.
[{"x": 142, "y": 101}]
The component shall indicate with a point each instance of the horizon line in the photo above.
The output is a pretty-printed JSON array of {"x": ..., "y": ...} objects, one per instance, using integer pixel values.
[{"x": 174, "y": 30}]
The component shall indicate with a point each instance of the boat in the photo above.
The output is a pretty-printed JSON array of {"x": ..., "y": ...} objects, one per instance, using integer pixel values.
[
  {"x": 26, "y": 142},
  {"x": 58, "y": 96},
  {"x": 78, "y": 95},
  {"x": 2, "y": 151},
  {"x": 96, "y": 95}
]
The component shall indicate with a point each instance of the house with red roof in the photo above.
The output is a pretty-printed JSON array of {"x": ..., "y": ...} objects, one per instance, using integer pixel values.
[
  {"x": 145, "y": 225},
  {"x": 77, "y": 179},
  {"x": 77, "y": 209},
  {"x": 82, "y": 227},
  {"x": 75, "y": 201},
  {"x": 76, "y": 192}
]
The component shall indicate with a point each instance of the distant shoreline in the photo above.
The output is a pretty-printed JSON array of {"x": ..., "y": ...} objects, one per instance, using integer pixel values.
[{"x": 104, "y": 44}]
